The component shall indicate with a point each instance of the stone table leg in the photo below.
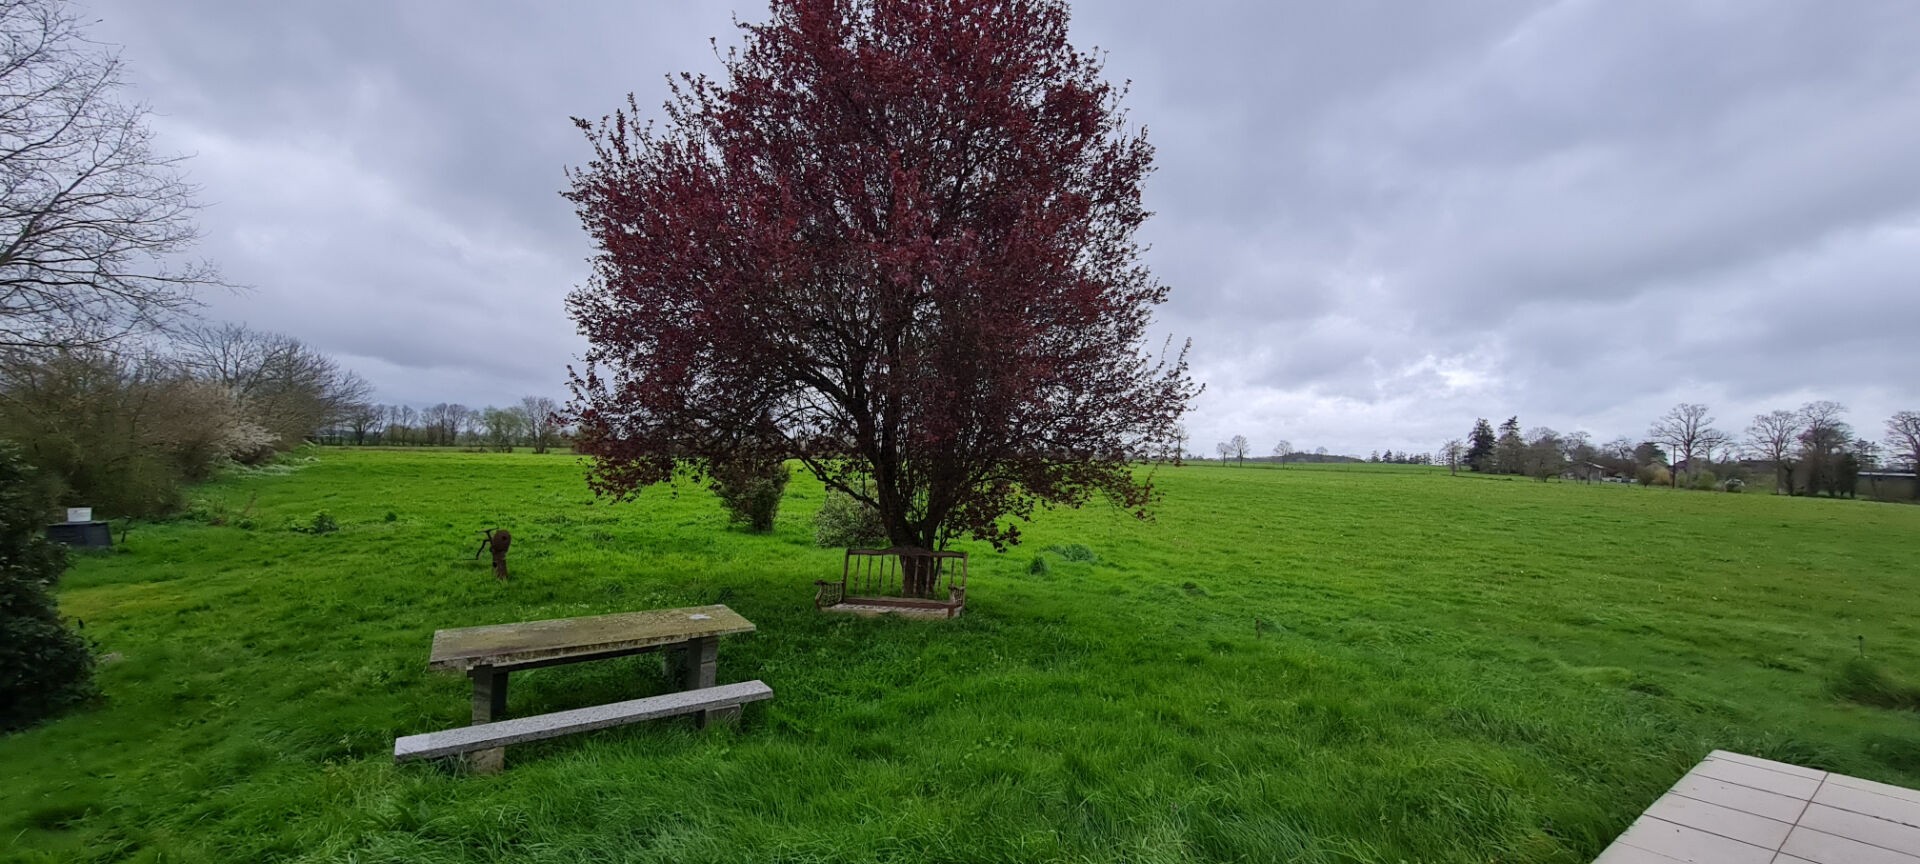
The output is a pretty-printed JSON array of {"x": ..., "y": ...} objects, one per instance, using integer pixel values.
[
  {"x": 697, "y": 670},
  {"x": 489, "y": 704}
]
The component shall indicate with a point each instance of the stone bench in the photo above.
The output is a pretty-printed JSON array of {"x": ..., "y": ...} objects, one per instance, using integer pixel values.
[{"x": 520, "y": 730}]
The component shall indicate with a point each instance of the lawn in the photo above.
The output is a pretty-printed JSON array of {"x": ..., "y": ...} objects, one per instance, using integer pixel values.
[{"x": 1327, "y": 664}]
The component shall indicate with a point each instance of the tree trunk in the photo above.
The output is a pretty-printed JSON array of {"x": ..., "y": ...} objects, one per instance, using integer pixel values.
[{"x": 919, "y": 575}]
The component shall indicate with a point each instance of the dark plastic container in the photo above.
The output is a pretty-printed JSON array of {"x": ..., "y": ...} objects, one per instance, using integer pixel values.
[{"x": 82, "y": 535}]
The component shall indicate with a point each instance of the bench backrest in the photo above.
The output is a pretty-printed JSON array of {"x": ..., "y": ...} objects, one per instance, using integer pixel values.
[{"x": 903, "y": 571}]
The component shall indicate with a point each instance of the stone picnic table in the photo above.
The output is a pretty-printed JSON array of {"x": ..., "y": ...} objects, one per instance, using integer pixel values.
[{"x": 488, "y": 654}]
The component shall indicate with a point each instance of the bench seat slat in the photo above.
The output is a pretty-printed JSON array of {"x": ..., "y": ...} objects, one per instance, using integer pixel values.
[{"x": 520, "y": 730}]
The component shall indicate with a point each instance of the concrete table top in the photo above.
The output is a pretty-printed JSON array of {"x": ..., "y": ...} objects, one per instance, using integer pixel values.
[{"x": 582, "y": 638}]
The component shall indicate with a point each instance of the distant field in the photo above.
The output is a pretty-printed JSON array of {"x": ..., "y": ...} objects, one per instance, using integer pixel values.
[{"x": 1322, "y": 664}]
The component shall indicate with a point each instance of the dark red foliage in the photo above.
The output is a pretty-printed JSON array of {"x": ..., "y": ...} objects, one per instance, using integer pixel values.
[{"x": 896, "y": 243}]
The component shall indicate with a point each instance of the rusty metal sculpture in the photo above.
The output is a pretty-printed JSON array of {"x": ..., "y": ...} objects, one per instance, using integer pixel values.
[
  {"x": 903, "y": 580},
  {"x": 498, "y": 539}
]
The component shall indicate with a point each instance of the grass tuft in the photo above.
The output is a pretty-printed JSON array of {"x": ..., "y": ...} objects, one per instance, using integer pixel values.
[
  {"x": 1076, "y": 552},
  {"x": 1865, "y": 682}
]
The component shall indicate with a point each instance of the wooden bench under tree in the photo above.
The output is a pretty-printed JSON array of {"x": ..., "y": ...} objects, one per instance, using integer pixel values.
[{"x": 902, "y": 580}]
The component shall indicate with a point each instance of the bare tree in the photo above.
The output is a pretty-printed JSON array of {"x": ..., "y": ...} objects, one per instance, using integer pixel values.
[
  {"x": 430, "y": 423},
  {"x": 1283, "y": 450},
  {"x": 1903, "y": 441},
  {"x": 287, "y": 387},
  {"x": 1237, "y": 447},
  {"x": 91, "y": 219},
  {"x": 1451, "y": 453},
  {"x": 1772, "y": 435},
  {"x": 541, "y": 413},
  {"x": 473, "y": 421},
  {"x": 1823, "y": 438},
  {"x": 399, "y": 420},
  {"x": 1714, "y": 441},
  {"x": 363, "y": 419},
  {"x": 1543, "y": 456},
  {"x": 1683, "y": 428}
]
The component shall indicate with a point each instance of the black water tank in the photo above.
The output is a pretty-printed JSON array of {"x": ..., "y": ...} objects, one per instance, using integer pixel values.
[{"x": 82, "y": 535}]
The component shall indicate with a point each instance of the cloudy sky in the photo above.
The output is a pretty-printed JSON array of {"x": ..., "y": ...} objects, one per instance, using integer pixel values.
[{"x": 1380, "y": 219}]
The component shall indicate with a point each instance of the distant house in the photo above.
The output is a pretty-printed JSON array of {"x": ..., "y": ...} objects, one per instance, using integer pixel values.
[
  {"x": 1886, "y": 485},
  {"x": 1588, "y": 472}
]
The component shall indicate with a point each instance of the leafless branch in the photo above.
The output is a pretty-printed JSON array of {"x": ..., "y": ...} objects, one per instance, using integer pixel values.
[{"x": 94, "y": 225}]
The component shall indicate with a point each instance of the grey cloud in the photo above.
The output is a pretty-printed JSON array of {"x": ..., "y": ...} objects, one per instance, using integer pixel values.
[{"x": 1380, "y": 219}]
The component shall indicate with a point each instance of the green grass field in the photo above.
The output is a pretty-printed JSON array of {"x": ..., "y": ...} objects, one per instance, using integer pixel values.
[{"x": 1340, "y": 664}]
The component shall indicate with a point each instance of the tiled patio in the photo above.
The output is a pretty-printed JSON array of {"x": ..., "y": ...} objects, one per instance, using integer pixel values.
[{"x": 1734, "y": 809}]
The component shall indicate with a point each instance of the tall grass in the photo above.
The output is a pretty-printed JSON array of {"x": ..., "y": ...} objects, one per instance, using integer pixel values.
[{"x": 1350, "y": 664}]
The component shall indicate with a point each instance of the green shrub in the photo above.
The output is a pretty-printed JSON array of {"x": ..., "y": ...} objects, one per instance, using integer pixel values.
[
  {"x": 1039, "y": 566},
  {"x": 751, "y": 492},
  {"x": 1653, "y": 475},
  {"x": 321, "y": 523},
  {"x": 846, "y": 523},
  {"x": 1705, "y": 481},
  {"x": 120, "y": 435},
  {"x": 45, "y": 667},
  {"x": 212, "y": 511},
  {"x": 1074, "y": 552}
]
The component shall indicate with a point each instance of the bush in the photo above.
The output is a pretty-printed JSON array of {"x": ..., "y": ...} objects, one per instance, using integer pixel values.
[
  {"x": 1736, "y": 485},
  {"x": 120, "y": 435},
  {"x": 751, "y": 493},
  {"x": 321, "y": 523},
  {"x": 845, "y": 523},
  {"x": 45, "y": 667},
  {"x": 1653, "y": 475},
  {"x": 1705, "y": 481},
  {"x": 1074, "y": 552},
  {"x": 212, "y": 511}
]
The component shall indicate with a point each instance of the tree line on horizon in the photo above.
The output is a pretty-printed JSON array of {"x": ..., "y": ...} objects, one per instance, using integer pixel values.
[
  {"x": 535, "y": 422},
  {"x": 1809, "y": 451},
  {"x": 1238, "y": 450}
]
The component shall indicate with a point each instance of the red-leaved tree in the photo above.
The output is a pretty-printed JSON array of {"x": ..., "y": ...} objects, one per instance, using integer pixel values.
[{"x": 896, "y": 242}]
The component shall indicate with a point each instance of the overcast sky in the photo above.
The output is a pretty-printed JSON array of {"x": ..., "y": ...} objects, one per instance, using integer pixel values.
[{"x": 1380, "y": 220}]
